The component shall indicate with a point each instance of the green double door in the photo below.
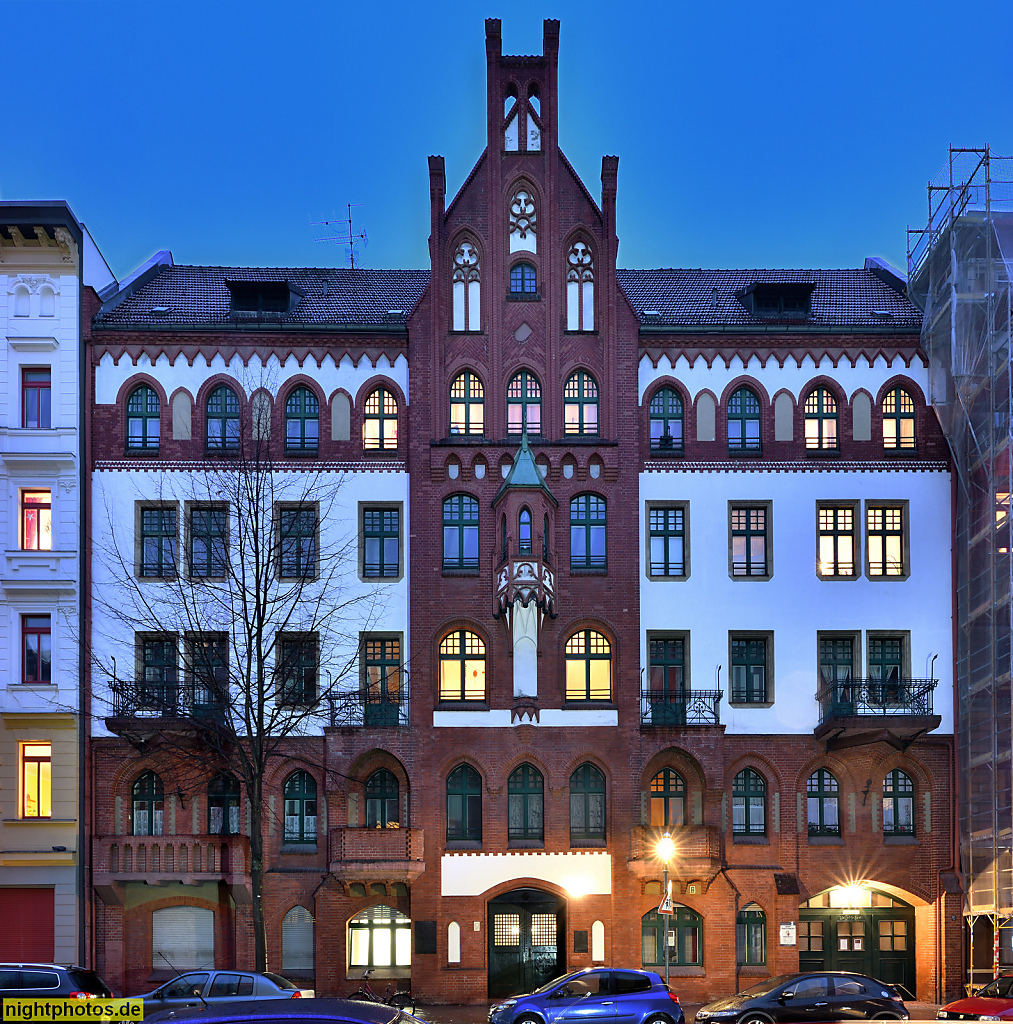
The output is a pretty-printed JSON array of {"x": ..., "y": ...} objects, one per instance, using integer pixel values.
[{"x": 527, "y": 934}]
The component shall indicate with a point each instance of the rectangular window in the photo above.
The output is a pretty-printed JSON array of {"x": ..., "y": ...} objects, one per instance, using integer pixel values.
[
  {"x": 207, "y": 670},
  {"x": 37, "y": 650},
  {"x": 810, "y": 936},
  {"x": 839, "y": 693},
  {"x": 885, "y": 540},
  {"x": 158, "y": 542},
  {"x": 381, "y": 542},
  {"x": 836, "y": 557},
  {"x": 297, "y": 668},
  {"x": 886, "y": 669},
  {"x": 749, "y": 545},
  {"x": 158, "y": 656},
  {"x": 749, "y": 669},
  {"x": 382, "y": 680},
  {"x": 667, "y": 541},
  {"x": 207, "y": 540},
  {"x": 893, "y": 936},
  {"x": 35, "y": 398},
  {"x": 297, "y": 529},
  {"x": 36, "y": 526},
  {"x": 36, "y": 780}
]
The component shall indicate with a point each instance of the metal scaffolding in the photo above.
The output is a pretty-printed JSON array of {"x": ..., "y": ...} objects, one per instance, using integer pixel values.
[{"x": 959, "y": 269}]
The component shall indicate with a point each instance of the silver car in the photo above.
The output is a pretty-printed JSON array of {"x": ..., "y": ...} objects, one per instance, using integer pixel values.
[{"x": 215, "y": 989}]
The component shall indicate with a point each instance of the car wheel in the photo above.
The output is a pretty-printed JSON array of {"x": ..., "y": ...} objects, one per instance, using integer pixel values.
[
  {"x": 886, "y": 1016},
  {"x": 528, "y": 1020},
  {"x": 756, "y": 1018},
  {"x": 659, "y": 1018}
]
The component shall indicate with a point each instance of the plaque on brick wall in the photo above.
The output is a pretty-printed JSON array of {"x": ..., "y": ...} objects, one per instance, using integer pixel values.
[
  {"x": 580, "y": 942},
  {"x": 425, "y": 936}
]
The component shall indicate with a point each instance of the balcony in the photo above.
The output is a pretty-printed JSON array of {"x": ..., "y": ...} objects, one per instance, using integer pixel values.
[
  {"x": 680, "y": 708},
  {"x": 142, "y": 708},
  {"x": 858, "y": 711},
  {"x": 377, "y": 854},
  {"x": 371, "y": 709},
  {"x": 159, "y": 860},
  {"x": 697, "y": 852}
]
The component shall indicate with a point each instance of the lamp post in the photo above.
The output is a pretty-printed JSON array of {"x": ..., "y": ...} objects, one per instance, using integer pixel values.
[{"x": 665, "y": 849}]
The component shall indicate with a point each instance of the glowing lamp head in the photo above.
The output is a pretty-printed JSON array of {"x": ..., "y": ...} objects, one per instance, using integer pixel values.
[
  {"x": 853, "y": 895},
  {"x": 666, "y": 847}
]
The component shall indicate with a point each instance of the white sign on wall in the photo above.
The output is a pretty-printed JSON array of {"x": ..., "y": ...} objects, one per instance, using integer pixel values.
[{"x": 788, "y": 931}]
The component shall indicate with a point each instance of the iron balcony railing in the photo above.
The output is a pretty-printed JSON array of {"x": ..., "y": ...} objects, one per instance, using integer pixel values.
[
  {"x": 371, "y": 708},
  {"x": 143, "y": 698},
  {"x": 680, "y": 707},
  {"x": 853, "y": 697}
]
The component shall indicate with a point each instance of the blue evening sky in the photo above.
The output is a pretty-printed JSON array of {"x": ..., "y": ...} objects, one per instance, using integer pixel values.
[{"x": 750, "y": 134}]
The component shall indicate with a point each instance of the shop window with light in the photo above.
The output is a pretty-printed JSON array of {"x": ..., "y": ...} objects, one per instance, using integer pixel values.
[
  {"x": 36, "y": 780},
  {"x": 381, "y": 543},
  {"x": 749, "y": 804},
  {"x": 749, "y": 541},
  {"x": 748, "y": 670},
  {"x": 750, "y": 936},
  {"x": 836, "y": 557},
  {"x": 588, "y": 666},
  {"x": 383, "y": 800},
  {"x": 685, "y": 938},
  {"x": 462, "y": 667},
  {"x": 587, "y": 806},
  {"x": 667, "y": 537},
  {"x": 524, "y": 405},
  {"x": 36, "y": 526},
  {"x": 223, "y": 805},
  {"x": 587, "y": 532},
  {"x": 524, "y": 531},
  {"x": 379, "y": 421},
  {"x": 379, "y": 937},
  {"x": 885, "y": 540},
  {"x": 467, "y": 405},
  {"x": 525, "y": 795},
  {"x": 743, "y": 422},
  {"x": 143, "y": 420},
  {"x": 821, "y": 421},
  {"x": 580, "y": 405},
  {"x": 822, "y": 803},
  {"x": 36, "y": 401},
  {"x": 898, "y": 804},
  {"x": 899, "y": 421},
  {"x": 300, "y": 796},
  {"x": 222, "y": 427},
  {"x": 466, "y": 286},
  {"x": 666, "y": 421},
  {"x": 37, "y": 649},
  {"x": 302, "y": 421},
  {"x": 464, "y": 804},
  {"x": 460, "y": 532},
  {"x": 668, "y": 799},
  {"x": 579, "y": 288},
  {"x": 148, "y": 805}
]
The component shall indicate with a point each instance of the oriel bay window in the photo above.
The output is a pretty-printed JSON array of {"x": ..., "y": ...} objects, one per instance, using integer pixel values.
[
  {"x": 587, "y": 806},
  {"x": 37, "y": 649},
  {"x": 525, "y": 790},
  {"x": 148, "y": 805},
  {"x": 464, "y": 804},
  {"x": 379, "y": 937},
  {"x": 300, "y": 796},
  {"x": 749, "y": 804},
  {"x": 588, "y": 666},
  {"x": 460, "y": 532},
  {"x": 822, "y": 795},
  {"x": 685, "y": 931},
  {"x": 383, "y": 800},
  {"x": 462, "y": 667}
]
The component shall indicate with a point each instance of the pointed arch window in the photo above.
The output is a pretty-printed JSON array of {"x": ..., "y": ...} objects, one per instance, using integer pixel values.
[
  {"x": 464, "y": 804},
  {"x": 383, "y": 800},
  {"x": 666, "y": 421},
  {"x": 743, "y": 422},
  {"x": 580, "y": 405},
  {"x": 223, "y": 805},
  {"x": 898, "y": 804},
  {"x": 143, "y": 420},
  {"x": 899, "y": 420},
  {"x": 588, "y": 666},
  {"x": 223, "y": 420},
  {"x": 466, "y": 286},
  {"x": 749, "y": 804},
  {"x": 579, "y": 288},
  {"x": 523, "y": 222},
  {"x": 524, "y": 531},
  {"x": 467, "y": 405},
  {"x": 821, "y": 421},
  {"x": 302, "y": 421},
  {"x": 822, "y": 798},
  {"x": 379, "y": 421},
  {"x": 510, "y": 115},
  {"x": 148, "y": 803},
  {"x": 587, "y": 805},
  {"x": 462, "y": 666},
  {"x": 668, "y": 799},
  {"x": 524, "y": 404},
  {"x": 534, "y": 111},
  {"x": 300, "y": 795},
  {"x": 525, "y": 790}
]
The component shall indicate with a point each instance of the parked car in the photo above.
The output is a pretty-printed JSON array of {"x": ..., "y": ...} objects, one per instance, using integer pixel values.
[
  {"x": 50, "y": 981},
  {"x": 992, "y": 1002},
  {"x": 820, "y": 996},
  {"x": 219, "y": 989},
  {"x": 594, "y": 994},
  {"x": 285, "y": 1011}
]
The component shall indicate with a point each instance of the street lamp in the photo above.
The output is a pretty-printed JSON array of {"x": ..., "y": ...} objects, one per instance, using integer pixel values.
[{"x": 665, "y": 849}]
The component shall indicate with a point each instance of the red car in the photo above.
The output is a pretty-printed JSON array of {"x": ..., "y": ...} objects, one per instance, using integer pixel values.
[{"x": 993, "y": 1002}]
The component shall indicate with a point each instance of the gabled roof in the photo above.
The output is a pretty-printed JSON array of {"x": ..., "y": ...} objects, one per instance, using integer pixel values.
[{"x": 840, "y": 298}]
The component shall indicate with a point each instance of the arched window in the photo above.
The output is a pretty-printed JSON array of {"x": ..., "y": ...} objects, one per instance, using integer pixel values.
[
  {"x": 821, "y": 421},
  {"x": 383, "y": 799},
  {"x": 523, "y": 224},
  {"x": 666, "y": 421},
  {"x": 297, "y": 940},
  {"x": 523, "y": 279},
  {"x": 462, "y": 666},
  {"x": 148, "y": 801},
  {"x": 749, "y": 804},
  {"x": 580, "y": 405},
  {"x": 743, "y": 421},
  {"x": 587, "y": 805},
  {"x": 143, "y": 420},
  {"x": 302, "y": 421},
  {"x": 467, "y": 405},
  {"x": 899, "y": 420},
  {"x": 467, "y": 288},
  {"x": 223, "y": 420},
  {"x": 379, "y": 421},
  {"x": 685, "y": 935},
  {"x": 464, "y": 803},
  {"x": 300, "y": 795},
  {"x": 524, "y": 404},
  {"x": 668, "y": 799},
  {"x": 47, "y": 301},
  {"x": 898, "y": 804},
  {"x": 587, "y": 532},
  {"x": 460, "y": 532},
  {"x": 22, "y": 301},
  {"x": 524, "y": 804},
  {"x": 588, "y": 666},
  {"x": 579, "y": 288},
  {"x": 750, "y": 936},
  {"x": 380, "y": 937},
  {"x": 524, "y": 531},
  {"x": 223, "y": 805},
  {"x": 822, "y": 803}
]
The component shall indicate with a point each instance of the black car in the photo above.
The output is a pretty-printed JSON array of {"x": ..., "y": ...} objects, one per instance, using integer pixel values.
[
  {"x": 288, "y": 1011},
  {"x": 822, "y": 996},
  {"x": 50, "y": 981}
]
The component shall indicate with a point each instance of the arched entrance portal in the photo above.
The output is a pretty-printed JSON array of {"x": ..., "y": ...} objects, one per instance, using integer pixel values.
[
  {"x": 856, "y": 928},
  {"x": 527, "y": 935}
]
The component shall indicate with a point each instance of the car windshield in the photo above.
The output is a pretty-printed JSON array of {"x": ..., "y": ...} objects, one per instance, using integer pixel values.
[
  {"x": 763, "y": 987},
  {"x": 998, "y": 989},
  {"x": 279, "y": 980}
]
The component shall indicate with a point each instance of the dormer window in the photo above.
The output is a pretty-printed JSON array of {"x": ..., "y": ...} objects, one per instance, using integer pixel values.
[
  {"x": 253, "y": 298},
  {"x": 778, "y": 300}
]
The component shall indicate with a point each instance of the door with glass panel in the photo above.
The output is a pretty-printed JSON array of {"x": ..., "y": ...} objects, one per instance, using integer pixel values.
[
  {"x": 837, "y": 675},
  {"x": 526, "y": 929}
]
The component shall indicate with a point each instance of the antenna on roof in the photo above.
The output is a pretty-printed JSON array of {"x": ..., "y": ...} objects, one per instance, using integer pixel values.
[{"x": 345, "y": 235}]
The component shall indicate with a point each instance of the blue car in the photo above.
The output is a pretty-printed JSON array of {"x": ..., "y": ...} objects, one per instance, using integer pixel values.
[{"x": 596, "y": 995}]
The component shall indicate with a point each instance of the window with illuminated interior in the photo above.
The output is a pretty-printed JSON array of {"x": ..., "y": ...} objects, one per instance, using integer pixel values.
[
  {"x": 462, "y": 666},
  {"x": 466, "y": 287},
  {"x": 380, "y": 937},
  {"x": 579, "y": 288}
]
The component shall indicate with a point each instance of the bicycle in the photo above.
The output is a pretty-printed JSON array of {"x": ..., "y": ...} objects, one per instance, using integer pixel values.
[{"x": 391, "y": 997}]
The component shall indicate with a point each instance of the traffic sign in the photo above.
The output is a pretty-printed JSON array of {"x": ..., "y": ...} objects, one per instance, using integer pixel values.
[{"x": 666, "y": 903}]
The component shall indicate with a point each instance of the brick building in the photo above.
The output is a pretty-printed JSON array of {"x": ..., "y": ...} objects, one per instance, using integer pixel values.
[{"x": 642, "y": 551}]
